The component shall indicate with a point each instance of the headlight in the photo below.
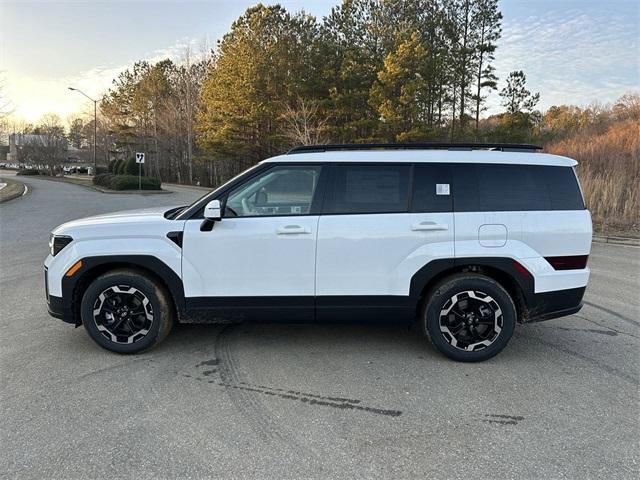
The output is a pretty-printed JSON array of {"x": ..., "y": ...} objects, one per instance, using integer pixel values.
[{"x": 58, "y": 242}]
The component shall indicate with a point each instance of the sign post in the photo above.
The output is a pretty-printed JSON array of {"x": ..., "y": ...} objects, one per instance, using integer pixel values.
[{"x": 139, "y": 161}]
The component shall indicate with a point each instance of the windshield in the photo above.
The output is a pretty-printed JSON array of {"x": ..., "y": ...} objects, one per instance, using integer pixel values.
[{"x": 186, "y": 211}]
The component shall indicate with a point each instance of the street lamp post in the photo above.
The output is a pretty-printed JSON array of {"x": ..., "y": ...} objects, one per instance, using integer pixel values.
[{"x": 95, "y": 127}]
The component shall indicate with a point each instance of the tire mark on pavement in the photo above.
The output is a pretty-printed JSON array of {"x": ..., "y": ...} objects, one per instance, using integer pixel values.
[
  {"x": 610, "y": 333},
  {"x": 502, "y": 419},
  {"x": 309, "y": 399},
  {"x": 619, "y": 332},
  {"x": 602, "y": 366},
  {"x": 260, "y": 420},
  {"x": 613, "y": 313}
]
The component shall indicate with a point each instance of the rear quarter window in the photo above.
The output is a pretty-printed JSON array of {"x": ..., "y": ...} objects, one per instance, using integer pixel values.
[{"x": 499, "y": 187}]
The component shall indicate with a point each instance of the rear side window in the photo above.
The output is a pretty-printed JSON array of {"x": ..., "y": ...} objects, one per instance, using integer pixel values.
[
  {"x": 496, "y": 188},
  {"x": 432, "y": 188},
  {"x": 369, "y": 188},
  {"x": 563, "y": 189}
]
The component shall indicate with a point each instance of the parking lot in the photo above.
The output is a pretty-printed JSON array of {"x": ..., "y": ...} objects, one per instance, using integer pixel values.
[{"x": 308, "y": 401}]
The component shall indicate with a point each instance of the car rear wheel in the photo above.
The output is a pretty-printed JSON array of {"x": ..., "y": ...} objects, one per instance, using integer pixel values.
[
  {"x": 126, "y": 311},
  {"x": 469, "y": 317}
]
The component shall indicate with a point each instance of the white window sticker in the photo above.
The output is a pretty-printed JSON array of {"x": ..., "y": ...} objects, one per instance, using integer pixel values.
[{"x": 442, "y": 189}]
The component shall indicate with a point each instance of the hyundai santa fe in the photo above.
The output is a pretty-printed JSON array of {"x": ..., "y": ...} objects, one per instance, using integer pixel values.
[{"x": 466, "y": 240}]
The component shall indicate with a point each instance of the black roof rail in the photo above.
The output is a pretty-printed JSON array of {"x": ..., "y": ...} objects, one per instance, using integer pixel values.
[{"x": 503, "y": 147}]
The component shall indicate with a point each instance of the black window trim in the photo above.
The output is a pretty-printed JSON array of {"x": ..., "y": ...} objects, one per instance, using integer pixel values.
[
  {"x": 316, "y": 202},
  {"x": 325, "y": 183}
]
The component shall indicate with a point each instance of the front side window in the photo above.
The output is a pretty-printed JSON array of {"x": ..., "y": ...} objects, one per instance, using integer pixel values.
[
  {"x": 281, "y": 190},
  {"x": 361, "y": 188}
]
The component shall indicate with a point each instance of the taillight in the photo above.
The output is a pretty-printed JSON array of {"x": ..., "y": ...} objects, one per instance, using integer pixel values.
[
  {"x": 521, "y": 270},
  {"x": 575, "y": 262}
]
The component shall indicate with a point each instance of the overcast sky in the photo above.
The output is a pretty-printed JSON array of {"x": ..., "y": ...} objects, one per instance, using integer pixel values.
[{"x": 573, "y": 51}]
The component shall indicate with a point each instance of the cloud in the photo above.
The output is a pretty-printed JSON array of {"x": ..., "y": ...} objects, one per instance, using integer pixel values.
[
  {"x": 33, "y": 97},
  {"x": 573, "y": 56},
  {"x": 569, "y": 56}
]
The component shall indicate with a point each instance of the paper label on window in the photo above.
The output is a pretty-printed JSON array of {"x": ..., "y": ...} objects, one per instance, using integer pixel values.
[{"x": 442, "y": 189}]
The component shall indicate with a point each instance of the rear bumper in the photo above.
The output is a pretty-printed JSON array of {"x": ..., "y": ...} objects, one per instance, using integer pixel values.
[{"x": 549, "y": 305}]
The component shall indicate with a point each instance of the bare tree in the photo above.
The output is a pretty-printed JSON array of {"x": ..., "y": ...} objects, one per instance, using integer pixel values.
[
  {"x": 303, "y": 124},
  {"x": 6, "y": 109},
  {"x": 48, "y": 144}
]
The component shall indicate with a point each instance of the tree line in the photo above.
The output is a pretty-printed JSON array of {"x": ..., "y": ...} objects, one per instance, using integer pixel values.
[{"x": 370, "y": 71}]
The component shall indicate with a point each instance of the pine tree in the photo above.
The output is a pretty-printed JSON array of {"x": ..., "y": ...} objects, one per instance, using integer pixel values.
[
  {"x": 488, "y": 19},
  {"x": 515, "y": 96}
]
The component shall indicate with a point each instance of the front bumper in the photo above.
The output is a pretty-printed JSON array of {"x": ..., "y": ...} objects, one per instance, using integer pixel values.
[{"x": 55, "y": 305}]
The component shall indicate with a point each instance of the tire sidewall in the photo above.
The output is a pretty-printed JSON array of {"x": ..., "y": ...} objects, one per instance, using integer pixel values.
[
  {"x": 147, "y": 287},
  {"x": 456, "y": 285}
]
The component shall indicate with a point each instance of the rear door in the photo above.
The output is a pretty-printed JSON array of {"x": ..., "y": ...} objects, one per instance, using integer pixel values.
[{"x": 381, "y": 223}]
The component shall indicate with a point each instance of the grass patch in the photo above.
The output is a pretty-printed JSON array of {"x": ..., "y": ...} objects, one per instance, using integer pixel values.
[{"x": 11, "y": 190}]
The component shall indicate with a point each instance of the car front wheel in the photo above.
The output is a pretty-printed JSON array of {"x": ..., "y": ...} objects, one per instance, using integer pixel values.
[
  {"x": 469, "y": 317},
  {"x": 126, "y": 311}
]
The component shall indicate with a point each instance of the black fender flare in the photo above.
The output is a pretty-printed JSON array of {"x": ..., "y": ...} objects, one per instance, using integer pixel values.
[
  {"x": 507, "y": 266},
  {"x": 94, "y": 266}
]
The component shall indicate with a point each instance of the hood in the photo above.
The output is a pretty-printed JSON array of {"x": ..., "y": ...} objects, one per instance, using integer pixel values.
[{"x": 143, "y": 217}]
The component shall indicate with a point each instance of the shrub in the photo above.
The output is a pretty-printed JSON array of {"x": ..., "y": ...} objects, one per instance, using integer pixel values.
[
  {"x": 130, "y": 182},
  {"x": 125, "y": 182},
  {"x": 111, "y": 166},
  {"x": 116, "y": 167},
  {"x": 101, "y": 170},
  {"x": 131, "y": 167},
  {"x": 103, "y": 180},
  {"x": 28, "y": 171}
]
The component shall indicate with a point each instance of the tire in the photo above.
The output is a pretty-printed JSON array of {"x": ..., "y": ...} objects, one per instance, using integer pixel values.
[
  {"x": 126, "y": 311},
  {"x": 469, "y": 317}
]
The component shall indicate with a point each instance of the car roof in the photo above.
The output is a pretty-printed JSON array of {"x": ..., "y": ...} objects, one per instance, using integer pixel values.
[{"x": 427, "y": 156}]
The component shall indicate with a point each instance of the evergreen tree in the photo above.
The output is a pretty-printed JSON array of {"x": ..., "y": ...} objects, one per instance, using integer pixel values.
[
  {"x": 515, "y": 96},
  {"x": 261, "y": 65},
  {"x": 488, "y": 19}
]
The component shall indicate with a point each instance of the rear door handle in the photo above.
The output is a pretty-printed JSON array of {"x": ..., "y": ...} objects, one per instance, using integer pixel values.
[
  {"x": 423, "y": 226},
  {"x": 292, "y": 230}
]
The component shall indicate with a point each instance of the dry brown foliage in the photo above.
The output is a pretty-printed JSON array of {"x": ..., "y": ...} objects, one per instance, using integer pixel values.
[{"x": 609, "y": 171}]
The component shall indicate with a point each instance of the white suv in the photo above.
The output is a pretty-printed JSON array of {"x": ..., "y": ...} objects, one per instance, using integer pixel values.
[{"x": 464, "y": 239}]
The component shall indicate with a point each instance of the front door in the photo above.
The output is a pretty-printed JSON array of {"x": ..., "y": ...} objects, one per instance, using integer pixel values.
[{"x": 258, "y": 262}]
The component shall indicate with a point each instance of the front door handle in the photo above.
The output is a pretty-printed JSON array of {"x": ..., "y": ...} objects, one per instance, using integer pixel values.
[
  {"x": 424, "y": 226},
  {"x": 292, "y": 230}
]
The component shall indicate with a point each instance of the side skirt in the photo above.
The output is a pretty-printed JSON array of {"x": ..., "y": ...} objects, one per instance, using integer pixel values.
[{"x": 307, "y": 309}]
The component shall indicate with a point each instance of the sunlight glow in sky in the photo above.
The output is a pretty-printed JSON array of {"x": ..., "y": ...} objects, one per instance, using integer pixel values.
[{"x": 572, "y": 51}]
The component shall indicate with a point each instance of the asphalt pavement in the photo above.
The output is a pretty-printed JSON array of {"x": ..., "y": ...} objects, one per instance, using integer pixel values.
[{"x": 307, "y": 401}]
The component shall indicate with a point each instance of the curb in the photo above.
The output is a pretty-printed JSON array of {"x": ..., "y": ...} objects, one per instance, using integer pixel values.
[
  {"x": 195, "y": 187},
  {"x": 24, "y": 191},
  {"x": 617, "y": 240},
  {"x": 126, "y": 192},
  {"x": 101, "y": 190}
]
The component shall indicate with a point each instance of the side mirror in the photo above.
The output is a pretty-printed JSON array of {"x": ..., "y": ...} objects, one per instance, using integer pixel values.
[{"x": 212, "y": 211}]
